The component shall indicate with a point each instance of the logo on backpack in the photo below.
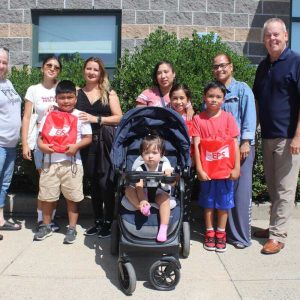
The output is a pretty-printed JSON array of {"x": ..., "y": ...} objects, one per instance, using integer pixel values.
[
  {"x": 60, "y": 130},
  {"x": 219, "y": 154}
]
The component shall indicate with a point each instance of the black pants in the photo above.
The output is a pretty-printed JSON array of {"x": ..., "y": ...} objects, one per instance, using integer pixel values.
[{"x": 98, "y": 169}]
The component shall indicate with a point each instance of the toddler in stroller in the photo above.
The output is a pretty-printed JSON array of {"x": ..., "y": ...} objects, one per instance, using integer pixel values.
[{"x": 138, "y": 226}]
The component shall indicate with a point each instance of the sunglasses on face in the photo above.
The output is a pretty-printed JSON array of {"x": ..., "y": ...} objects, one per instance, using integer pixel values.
[
  {"x": 50, "y": 66},
  {"x": 221, "y": 66}
]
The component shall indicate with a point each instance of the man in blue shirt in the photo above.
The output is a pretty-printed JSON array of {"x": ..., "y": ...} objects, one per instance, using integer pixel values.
[{"x": 277, "y": 92}]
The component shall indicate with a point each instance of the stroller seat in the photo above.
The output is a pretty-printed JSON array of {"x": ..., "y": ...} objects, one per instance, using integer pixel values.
[{"x": 144, "y": 227}]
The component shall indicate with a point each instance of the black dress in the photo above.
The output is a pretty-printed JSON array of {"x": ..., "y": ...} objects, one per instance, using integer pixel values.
[{"x": 96, "y": 159}]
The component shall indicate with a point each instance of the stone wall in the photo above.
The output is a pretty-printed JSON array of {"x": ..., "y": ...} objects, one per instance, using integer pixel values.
[{"x": 238, "y": 22}]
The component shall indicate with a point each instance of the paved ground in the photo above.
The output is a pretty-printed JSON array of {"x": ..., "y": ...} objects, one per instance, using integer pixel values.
[{"x": 86, "y": 270}]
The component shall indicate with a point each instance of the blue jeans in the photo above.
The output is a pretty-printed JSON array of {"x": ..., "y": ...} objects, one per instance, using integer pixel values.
[{"x": 7, "y": 163}]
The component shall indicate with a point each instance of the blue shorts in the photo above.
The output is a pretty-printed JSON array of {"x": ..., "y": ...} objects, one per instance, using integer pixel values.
[{"x": 216, "y": 193}]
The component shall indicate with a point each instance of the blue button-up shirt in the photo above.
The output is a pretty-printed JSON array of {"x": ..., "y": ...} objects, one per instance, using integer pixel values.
[{"x": 239, "y": 100}]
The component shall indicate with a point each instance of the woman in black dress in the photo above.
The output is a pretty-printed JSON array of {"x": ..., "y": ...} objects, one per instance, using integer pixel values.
[{"x": 101, "y": 107}]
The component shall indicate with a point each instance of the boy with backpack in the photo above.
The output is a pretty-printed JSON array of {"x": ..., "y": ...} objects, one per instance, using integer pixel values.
[
  {"x": 61, "y": 136},
  {"x": 217, "y": 161}
]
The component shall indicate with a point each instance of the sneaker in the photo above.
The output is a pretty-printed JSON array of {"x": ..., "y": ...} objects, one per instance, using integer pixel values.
[
  {"x": 209, "y": 241},
  {"x": 93, "y": 230},
  {"x": 54, "y": 226},
  {"x": 70, "y": 236},
  {"x": 105, "y": 230},
  {"x": 43, "y": 232},
  {"x": 38, "y": 225},
  {"x": 221, "y": 241}
]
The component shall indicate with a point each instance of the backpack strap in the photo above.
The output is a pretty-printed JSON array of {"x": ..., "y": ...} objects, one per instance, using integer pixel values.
[{"x": 143, "y": 166}]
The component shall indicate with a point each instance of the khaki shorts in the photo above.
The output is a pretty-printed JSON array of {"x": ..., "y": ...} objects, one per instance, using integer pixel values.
[{"x": 59, "y": 178}]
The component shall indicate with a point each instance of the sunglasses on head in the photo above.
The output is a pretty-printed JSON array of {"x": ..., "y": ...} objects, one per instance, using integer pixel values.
[{"x": 50, "y": 66}]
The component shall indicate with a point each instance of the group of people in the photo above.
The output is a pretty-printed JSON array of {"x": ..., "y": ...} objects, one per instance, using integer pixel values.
[{"x": 230, "y": 113}]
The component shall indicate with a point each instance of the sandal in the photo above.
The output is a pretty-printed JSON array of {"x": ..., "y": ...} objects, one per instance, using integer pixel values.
[{"x": 10, "y": 226}]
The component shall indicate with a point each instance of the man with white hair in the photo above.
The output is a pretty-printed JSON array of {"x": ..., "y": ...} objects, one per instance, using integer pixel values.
[{"x": 277, "y": 92}]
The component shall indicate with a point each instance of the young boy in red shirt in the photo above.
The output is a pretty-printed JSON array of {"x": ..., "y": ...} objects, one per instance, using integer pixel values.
[{"x": 216, "y": 190}]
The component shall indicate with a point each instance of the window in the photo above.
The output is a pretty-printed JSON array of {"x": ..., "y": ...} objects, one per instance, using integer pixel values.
[
  {"x": 88, "y": 32},
  {"x": 295, "y": 25}
]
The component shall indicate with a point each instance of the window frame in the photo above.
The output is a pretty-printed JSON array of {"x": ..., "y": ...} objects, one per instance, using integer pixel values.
[
  {"x": 36, "y": 13},
  {"x": 292, "y": 20}
]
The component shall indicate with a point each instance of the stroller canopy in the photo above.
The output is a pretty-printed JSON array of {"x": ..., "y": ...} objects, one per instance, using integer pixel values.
[{"x": 137, "y": 123}]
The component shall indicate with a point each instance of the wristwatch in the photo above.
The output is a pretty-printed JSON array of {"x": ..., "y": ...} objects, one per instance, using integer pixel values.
[{"x": 99, "y": 120}]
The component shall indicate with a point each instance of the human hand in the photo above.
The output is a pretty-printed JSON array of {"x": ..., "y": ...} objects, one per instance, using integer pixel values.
[
  {"x": 202, "y": 176},
  {"x": 71, "y": 150},
  {"x": 295, "y": 145},
  {"x": 46, "y": 148},
  {"x": 190, "y": 113},
  {"x": 26, "y": 152},
  {"x": 87, "y": 117},
  {"x": 235, "y": 174},
  {"x": 244, "y": 149},
  {"x": 168, "y": 172}
]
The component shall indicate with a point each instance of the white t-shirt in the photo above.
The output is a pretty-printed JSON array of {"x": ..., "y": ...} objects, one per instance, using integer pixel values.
[
  {"x": 83, "y": 128},
  {"x": 41, "y": 98}
]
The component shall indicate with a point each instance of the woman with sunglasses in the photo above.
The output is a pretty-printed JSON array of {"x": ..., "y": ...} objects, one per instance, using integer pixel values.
[
  {"x": 239, "y": 100},
  {"x": 38, "y": 99},
  {"x": 10, "y": 123}
]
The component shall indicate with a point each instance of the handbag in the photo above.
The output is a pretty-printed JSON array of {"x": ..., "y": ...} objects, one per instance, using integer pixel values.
[{"x": 33, "y": 130}]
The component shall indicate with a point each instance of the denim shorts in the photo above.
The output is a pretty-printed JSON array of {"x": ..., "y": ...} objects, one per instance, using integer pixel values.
[{"x": 216, "y": 193}]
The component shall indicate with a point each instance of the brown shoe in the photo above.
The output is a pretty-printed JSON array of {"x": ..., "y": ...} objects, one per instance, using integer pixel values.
[
  {"x": 272, "y": 247},
  {"x": 262, "y": 234}
]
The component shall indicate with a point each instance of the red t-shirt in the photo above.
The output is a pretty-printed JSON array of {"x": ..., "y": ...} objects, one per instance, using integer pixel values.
[{"x": 221, "y": 126}]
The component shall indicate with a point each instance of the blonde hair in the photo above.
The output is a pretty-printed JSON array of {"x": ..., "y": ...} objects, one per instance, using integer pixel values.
[{"x": 103, "y": 83}]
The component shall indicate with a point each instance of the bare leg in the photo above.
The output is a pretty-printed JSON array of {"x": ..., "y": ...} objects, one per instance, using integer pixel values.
[
  {"x": 222, "y": 218},
  {"x": 209, "y": 217},
  {"x": 73, "y": 212},
  {"x": 163, "y": 200},
  {"x": 130, "y": 193},
  {"x": 47, "y": 208}
]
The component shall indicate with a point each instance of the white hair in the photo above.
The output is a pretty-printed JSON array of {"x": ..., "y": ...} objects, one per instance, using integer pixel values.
[{"x": 274, "y": 20}]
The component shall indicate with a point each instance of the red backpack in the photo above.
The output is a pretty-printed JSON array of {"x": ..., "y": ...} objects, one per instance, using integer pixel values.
[{"x": 60, "y": 129}]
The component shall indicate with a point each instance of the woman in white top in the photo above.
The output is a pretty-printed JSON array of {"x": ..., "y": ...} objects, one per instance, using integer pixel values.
[
  {"x": 39, "y": 98},
  {"x": 10, "y": 123}
]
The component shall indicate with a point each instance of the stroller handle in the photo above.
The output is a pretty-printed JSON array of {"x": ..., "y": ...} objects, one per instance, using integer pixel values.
[{"x": 151, "y": 179}]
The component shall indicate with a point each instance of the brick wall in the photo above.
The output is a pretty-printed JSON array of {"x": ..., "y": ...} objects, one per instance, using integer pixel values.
[{"x": 238, "y": 22}]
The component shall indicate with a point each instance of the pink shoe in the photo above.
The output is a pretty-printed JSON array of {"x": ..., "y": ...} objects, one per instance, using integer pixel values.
[{"x": 146, "y": 210}]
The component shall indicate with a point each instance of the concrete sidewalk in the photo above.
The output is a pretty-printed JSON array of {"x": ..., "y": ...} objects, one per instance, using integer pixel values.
[{"x": 86, "y": 270}]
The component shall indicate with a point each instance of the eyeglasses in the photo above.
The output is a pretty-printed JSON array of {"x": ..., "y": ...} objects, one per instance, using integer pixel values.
[
  {"x": 222, "y": 66},
  {"x": 50, "y": 66}
]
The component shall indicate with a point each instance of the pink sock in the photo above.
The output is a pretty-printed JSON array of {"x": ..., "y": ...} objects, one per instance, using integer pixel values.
[
  {"x": 162, "y": 233},
  {"x": 146, "y": 210}
]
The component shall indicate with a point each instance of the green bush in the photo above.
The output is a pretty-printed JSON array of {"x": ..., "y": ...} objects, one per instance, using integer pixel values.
[{"x": 192, "y": 59}]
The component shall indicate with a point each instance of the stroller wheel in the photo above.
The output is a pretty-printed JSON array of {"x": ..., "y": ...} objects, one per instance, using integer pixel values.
[
  {"x": 164, "y": 275},
  {"x": 114, "y": 241},
  {"x": 185, "y": 239},
  {"x": 127, "y": 277}
]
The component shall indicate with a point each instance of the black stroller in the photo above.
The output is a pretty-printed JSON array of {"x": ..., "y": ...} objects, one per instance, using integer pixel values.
[{"x": 131, "y": 231}]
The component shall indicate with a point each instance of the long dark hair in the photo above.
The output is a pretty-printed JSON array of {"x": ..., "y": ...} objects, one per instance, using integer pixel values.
[{"x": 154, "y": 74}]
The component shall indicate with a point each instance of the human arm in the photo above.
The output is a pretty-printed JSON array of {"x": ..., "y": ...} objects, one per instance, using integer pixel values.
[
  {"x": 113, "y": 119},
  {"x": 139, "y": 187},
  {"x": 72, "y": 149},
  {"x": 248, "y": 120},
  {"x": 45, "y": 148},
  {"x": 295, "y": 143},
  {"x": 235, "y": 173},
  {"x": 25, "y": 128},
  {"x": 201, "y": 174}
]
